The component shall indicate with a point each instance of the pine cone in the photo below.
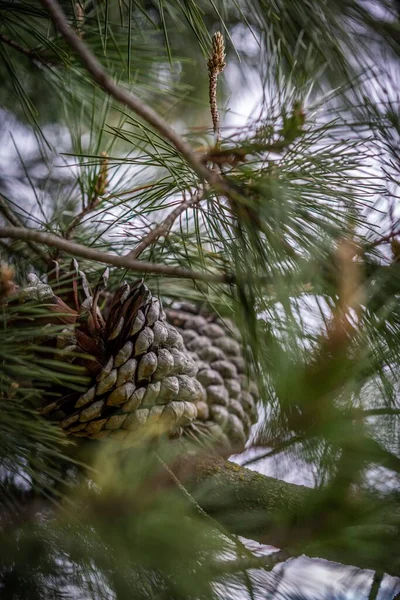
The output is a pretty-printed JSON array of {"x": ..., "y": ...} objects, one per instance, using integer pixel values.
[
  {"x": 180, "y": 372},
  {"x": 230, "y": 406}
]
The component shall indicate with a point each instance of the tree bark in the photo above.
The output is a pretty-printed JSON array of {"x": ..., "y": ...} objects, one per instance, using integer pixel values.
[{"x": 299, "y": 520}]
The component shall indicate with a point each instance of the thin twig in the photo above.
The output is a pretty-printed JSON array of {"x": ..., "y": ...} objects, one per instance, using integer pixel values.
[
  {"x": 187, "y": 494},
  {"x": 16, "y": 221},
  {"x": 9, "y": 214},
  {"x": 78, "y": 218},
  {"x": 31, "y": 54},
  {"x": 216, "y": 65},
  {"x": 49, "y": 239},
  {"x": 275, "y": 450},
  {"x": 129, "y": 99},
  {"x": 385, "y": 239},
  {"x": 163, "y": 228}
]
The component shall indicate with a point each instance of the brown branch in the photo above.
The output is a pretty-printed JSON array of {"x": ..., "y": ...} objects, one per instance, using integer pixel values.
[
  {"x": 293, "y": 517},
  {"x": 163, "y": 228},
  {"x": 111, "y": 259},
  {"x": 16, "y": 221},
  {"x": 129, "y": 99},
  {"x": 247, "y": 559}
]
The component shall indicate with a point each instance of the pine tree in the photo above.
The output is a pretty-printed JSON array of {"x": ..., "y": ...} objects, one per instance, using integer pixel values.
[{"x": 180, "y": 282}]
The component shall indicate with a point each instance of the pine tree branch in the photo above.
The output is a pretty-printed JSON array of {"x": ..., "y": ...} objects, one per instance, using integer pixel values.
[
  {"x": 51, "y": 240},
  {"x": 129, "y": 99},
  {"x": 163, "y": 228},
  {"x": 277, "y": 513},
  {"x": 247, "y": 559}
]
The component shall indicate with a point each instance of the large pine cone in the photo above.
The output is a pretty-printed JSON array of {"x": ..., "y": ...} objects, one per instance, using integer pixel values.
[{"x": 179, "y": 372}]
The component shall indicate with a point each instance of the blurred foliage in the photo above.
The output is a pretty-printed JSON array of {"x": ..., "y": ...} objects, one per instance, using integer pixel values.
[{"x": 310, "y": 235}]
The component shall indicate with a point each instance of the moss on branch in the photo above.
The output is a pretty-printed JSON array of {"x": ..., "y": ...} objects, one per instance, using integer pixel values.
[{"x": 288, "y": 516}]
